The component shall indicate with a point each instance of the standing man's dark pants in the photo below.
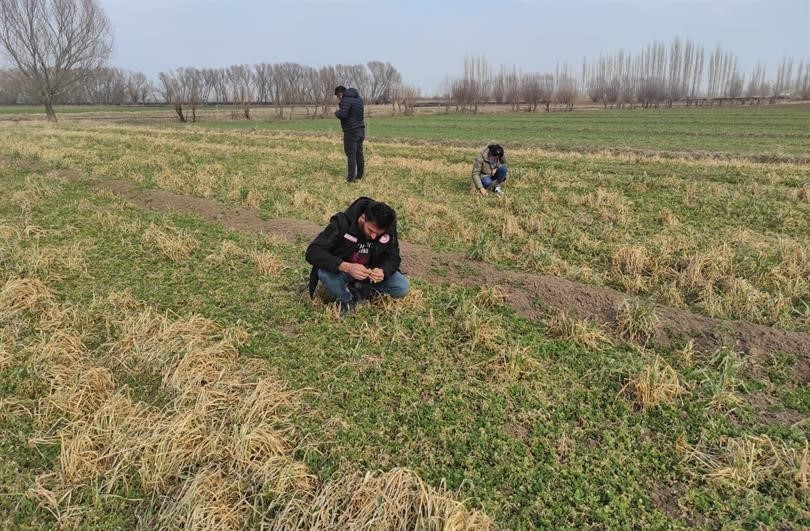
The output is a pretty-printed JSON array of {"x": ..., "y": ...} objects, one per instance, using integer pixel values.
[{"x": 353, "y": 146}]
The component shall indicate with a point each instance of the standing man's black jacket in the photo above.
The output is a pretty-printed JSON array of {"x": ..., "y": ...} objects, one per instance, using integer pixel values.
[
  {"x": 350, "y": 111},
  {"x": 332, "y": 246}
]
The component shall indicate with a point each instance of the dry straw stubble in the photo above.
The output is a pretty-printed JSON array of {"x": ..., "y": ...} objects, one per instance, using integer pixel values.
[
  {"x": 656, "y": 384},
  {"x": 177, "y": 244},
  {"x": 220, "y": 453}
]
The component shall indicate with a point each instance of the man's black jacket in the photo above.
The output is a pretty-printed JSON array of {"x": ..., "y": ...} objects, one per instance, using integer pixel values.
[
  {"x": 350, "y": 111},
  {"x": 332, "y": 246}
]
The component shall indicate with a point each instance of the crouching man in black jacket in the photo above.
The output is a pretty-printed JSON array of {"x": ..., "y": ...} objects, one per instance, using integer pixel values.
[{"x": 357, "y": 255}]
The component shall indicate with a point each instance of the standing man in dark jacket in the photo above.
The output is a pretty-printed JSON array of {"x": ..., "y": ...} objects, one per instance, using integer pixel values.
[
  {"x": 357, "y": 255},
  {"x": 350, "y": 112}
]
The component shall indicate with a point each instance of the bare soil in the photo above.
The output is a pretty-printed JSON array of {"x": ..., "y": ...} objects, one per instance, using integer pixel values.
[{"x": 530, "y": 295}]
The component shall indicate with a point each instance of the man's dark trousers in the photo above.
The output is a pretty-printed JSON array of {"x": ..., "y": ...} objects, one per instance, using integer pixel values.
[{"x": 353, "y": 146}]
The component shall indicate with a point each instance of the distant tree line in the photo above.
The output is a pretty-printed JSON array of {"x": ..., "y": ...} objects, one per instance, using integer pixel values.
[
  {"x": 479, "y": 85},
  {"x": 658, "y": 76},
  {"x": 284, "y": 85}
]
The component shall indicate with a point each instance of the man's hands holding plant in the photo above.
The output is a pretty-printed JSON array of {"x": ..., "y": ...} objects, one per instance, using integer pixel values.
[{"x": 361, "y": 272}]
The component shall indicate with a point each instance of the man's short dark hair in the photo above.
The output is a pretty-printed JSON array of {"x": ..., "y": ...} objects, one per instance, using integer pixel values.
[
  {"x": 495, "y": 150},
  {"x": 380, "y": 214},
  {"x": 340, "y": 89}
]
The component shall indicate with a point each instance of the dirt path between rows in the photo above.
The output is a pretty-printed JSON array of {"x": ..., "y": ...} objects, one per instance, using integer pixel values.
[{"x": 531, "y": 295}]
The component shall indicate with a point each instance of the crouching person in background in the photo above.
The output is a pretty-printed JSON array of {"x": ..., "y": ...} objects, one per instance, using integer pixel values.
[
  {"x": 489, "y": 170},
  {"x": 357, "y": 255}
]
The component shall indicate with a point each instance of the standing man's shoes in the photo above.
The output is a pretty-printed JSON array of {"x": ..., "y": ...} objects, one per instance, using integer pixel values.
[{"x": 350, "y": 180}]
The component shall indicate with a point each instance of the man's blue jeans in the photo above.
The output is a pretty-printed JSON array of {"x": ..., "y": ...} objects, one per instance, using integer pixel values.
[
  {"x": 499, "y": 177},
  {"x": 337, "y": 284}
]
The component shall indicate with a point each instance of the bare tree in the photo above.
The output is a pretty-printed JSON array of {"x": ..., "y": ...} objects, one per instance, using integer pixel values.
[
  {"x": 614, "y": 88},
  {"x": 735, "y": 82},
  {"x": 696, "y": 77},
  {"x": 652, "y": 81},
  {"x": 276, "y": 89},
  {"x": 261, "y": 76},
  {"x": 547, "y": 87},
  {"x": 383, "y": 78},
  {"x": 781, "y": 86},
  {"x": 356, "y": 76},
  {"x": 446, "y": 91},
  {"x": 327, "y": 81},
  {"x": 625, "y": 80},
  {"x": 595, "y": 80},
  {"x": 173, "y": 92},
  {"x": 499, "y": 86},
  {"x": 137, "y": 84},
  {"x": 294, "y": 84},
  {"x": 723, "y": 72},
  {"x": 476, "y": 82},
  {"x": 54, "y": 43},
  {"x": 12, "y": 87},
  {"x": 532, "y": 91},
  {"x": 686, "y": 69},
  {"x": 457, "y": 94},
  {"x": 216, "y": 81},
  {"x": 407, "y": 96},
  {"x": 293, "y": 81},
  {"x": 360, "y": 79},
  {"x": 309, "y": 90},
  {"x": 566, "y": 87},
  {"x": 512, "y": 88},
  {"x": 756, "y": 84},
  {"x": 104, "y": 85},
  {"x": 184, "y": 87},
  {"x": 801, "y": 88},
  {"x": 674, "y": 82},
  {"x": 241, "y": 80}
]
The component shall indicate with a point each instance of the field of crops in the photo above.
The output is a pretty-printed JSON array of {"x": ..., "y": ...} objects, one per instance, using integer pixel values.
[{"x": 157, "y": 368}]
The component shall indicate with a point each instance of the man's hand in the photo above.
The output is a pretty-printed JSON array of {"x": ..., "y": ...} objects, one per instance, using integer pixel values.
[
  {"x": 493, "y": 171},
  {"x": 356, "y": 271},
  {"x": 376, "y": 275},
  {"x": 483, "y": 191}
]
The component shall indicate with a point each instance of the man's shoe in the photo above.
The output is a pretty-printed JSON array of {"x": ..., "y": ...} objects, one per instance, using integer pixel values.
[
  {"x": 345, "y": 309},
  {"x": 359, "y": 294},
  {"x": 350, "y": 180},
  {"x": 359, "y": 176}
]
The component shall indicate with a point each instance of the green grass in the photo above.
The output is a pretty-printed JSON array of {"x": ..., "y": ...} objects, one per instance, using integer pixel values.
[
  {"x": 534, "y": 430},
  {"x": 760, "y": 131},
  {"x": 725, "y": 238},
  {"x": 763, "y": 130}
]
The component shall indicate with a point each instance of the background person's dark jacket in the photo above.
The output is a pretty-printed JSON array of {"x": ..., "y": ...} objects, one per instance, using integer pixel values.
[
  {"x": 350, "y": 111},
  {"x": 330, "y": 247}
]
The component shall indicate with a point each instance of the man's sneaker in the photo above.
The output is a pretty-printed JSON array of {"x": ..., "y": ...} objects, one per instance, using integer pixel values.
[
  {"x": 499, "y": 190},
  {"x": 351, "y": 180},
  {"x": 345, "y": 309},
  {"x": 359, "y": 294}
]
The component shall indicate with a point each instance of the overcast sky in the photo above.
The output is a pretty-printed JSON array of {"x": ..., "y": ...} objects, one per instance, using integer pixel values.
[{"x": 427, "y": 41}]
